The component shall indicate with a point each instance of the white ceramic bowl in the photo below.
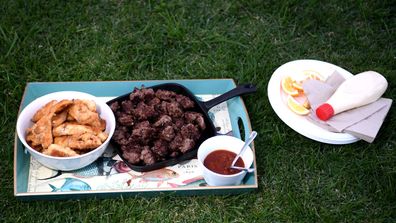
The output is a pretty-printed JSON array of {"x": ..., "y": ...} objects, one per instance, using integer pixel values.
[
  {"x": 223, "y": 143},
  {"x": 65, "y": 163}
]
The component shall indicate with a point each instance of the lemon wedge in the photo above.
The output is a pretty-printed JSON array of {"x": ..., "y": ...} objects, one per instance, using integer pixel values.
[
  {"x": 298, "y": 86},
  {"x": 287, "y": 86},
  {"x": 296, "y": 107},
  {"x": 313, "y": 75}
]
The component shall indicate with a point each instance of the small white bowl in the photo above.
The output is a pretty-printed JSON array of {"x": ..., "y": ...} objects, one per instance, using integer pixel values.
[
  {"x": 223, "y": 143},
  {"x": 65, "y": 163}
]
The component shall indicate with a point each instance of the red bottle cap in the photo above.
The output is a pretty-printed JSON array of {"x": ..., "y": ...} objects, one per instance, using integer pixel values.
[{"x": 324, "y": 112}]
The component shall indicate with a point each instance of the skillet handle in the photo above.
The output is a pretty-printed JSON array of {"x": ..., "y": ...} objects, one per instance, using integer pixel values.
[{"x": 238, "y": 91}]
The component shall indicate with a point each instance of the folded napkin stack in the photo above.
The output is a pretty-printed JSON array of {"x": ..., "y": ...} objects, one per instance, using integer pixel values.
[{"x": 363, "y": 122}]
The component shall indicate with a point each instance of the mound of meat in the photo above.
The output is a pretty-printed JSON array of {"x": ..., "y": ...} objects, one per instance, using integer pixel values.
[{"x": 154, "y": 126}]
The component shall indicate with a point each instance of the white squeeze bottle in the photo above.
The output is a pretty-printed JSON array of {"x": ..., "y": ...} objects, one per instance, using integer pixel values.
[{"x": 359, "y": 90}]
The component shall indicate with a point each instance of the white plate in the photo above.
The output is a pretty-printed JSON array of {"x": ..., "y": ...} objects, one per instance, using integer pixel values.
[{"x": 300, "y": 123}]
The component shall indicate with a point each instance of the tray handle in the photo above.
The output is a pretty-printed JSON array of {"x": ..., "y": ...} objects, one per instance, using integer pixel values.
[{"x": 235, "y": 126}]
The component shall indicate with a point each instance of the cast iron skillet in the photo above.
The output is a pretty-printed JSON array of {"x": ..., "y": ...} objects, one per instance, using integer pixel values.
[{"x": 200, "y": 106}]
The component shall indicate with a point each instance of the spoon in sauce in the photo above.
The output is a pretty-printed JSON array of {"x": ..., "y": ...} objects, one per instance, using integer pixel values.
[
  {"x": 249, "y": 170},
  {"x": 244, "y": 147}
]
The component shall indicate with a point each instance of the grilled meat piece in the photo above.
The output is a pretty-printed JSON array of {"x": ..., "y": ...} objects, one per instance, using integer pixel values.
[
  {"x": 144, "y": 94},
  {"x": 115, "y": 106},
  {"x": 195, "y": 118},
  {"x": 176, "y": 142},
  {"x": 131, "y": 153},
  {"x": 189, "y": 131},
  {"x": 144, "y": 112},
  {"x": 121, "y": 135},
  {"x": 165, "y": 95},
  {"x": 184, "y": 101},
  {"x": 148, "y": 156},
  {"x": 164, "y": 120},
  {"x": 126, "y": 119},
  {"x": 168, "y": 133},
  {"x": 174, "y": 109},
  {"x": 155, "y": 101},
  {"x": 127, "y": 106},
  {"x": 186, "y": 145},
  {"x": 160, "y": 148},
  {"x": 143, "y": 132}
]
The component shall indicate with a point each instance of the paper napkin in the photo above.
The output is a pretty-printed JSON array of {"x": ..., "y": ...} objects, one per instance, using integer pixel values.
[{"x": 363, "y": 122}]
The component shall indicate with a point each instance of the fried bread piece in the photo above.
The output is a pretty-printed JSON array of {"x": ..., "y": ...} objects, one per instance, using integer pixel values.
[
  {"x": 83, "y": 141},
  {"x": 31, "y": 139},
  {"x": 69, "y": 117},
  {"x": 89, "y": 103},
  {"x": 62, "y": 140},
  {"x": 102, "y": 136},
  {"x": 83, "y": 115},
  {"x": 86, "y": 140},
  {"x": 60, "y": 106},
  {"x": 60, "y": 151},
  {"x": 44, "y": 111},
  {"x": 71, "y": 128},
  {"x": 38, "y": 148},
  {"x": 41, "y": 132},
  {"x": 59, "y": 118},
  {"x": 99, "y": 127}
]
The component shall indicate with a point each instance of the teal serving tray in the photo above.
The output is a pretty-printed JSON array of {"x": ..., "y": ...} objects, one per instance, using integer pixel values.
[{"x": 236, "y": 108}]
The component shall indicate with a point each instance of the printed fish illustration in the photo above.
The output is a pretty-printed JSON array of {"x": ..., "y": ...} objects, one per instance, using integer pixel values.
[
  {"x": 101, "y": 167},
  {"x": 193, "y": 182},
  {"x": 71, "y": 184},
  {"x": 159, "y": 176},
  {"x": 121, "y": 167}
]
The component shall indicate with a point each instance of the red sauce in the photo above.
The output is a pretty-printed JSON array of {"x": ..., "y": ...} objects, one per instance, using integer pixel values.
[{"x": 219, "y": 161}]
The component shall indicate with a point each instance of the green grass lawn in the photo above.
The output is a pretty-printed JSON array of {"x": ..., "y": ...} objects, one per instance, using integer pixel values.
[{"x": 299, "y": 179}]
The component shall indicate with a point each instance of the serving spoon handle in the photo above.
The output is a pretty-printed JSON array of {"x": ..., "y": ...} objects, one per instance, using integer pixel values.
[
  {"x": 249, "y": 170},
  {"x": 247, "y": 143}
]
